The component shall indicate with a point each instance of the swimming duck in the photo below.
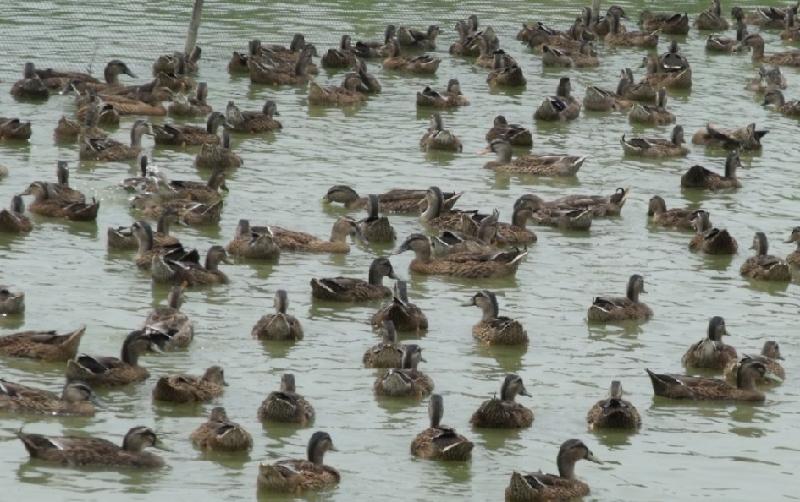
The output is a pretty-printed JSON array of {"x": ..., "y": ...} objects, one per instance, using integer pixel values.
[
  {"x": 13, "y": 219},
  {"x": 770, "y": 357},
  {"x": 657, "y": 147},
  {"x": 550, "y": 214},
  {"x": 290, "y": 240},
  {"x": 54, "y": 79},
  {"x": 14, "y": 129},
  {"x": 450, "y": 98},
  {"x": 711, "y": 19},
  {"x": 630, "y": 90},
  {"x": 598, "y": 99},
  {"x": 599, "y": 205},
  {"x": 451, "y": 243},
  {"x": 492, "y": 328},
  {"x": 11, "y": 302},
  {"x": 583, "y": 57},
  {"x": 57, "y": 80},
  {"x": 565, "y": 486},
  {"x": 505, "y": 412},
  {"x": 148, "y": 179},
  {"x": 286, "y": 405},
  {"x": 562, "y": 106},
  {"x": 714, "y": 389},
  {"x": 426, "y": 40},
  {"x": 375, "y": 228},
  {"x": 767, "y": 17},
  {"x": 700, "y": 177},
  {"x": 512, "y": 233},
  {"x": 407, "y": 381},
  {"x": 505, "y": 72},
  {"x": 768, "y": 79},
  {"x": 205, "y": 192},
  {"x": 194, "y": 106},
  {"x": 720, "y": 43},
  {"x": 788, "y": 108},
  {"x": 111, "y": 371},
  {"x": 190, "y": 388},
  {"x": 346, "y": 94},
  {"x": 791, "y": 32},
  {"x": 76, "y": 399},
  {"x": 756, "y": 43},
  {"x": 280, "y": 325},
  {"x": 612, "y": 309},
  {"x": 652, "y": 115},
  {"x": 439, "y": 442},
  {"x": 467, "y": 30},
  {"x": 398, "y": 200},
  {"x": 660, "y": 76},
  {"x": 763, "y": 266},
  {"x": 68, "y": 130},
  {"x": 346, "y": 289},
  {"x": 617, "y": 37},
  {"x": 253, "y": 242},
  {"x": 176, "y": 78},
  {"x": 370, "y": 49},
  {"x": 189, "y": 212},
  {"x": 388, "y": 353},
  {"x": 253, "y": 122},
  {"x": 167, "y": 62},
  {"x": 361, "y": 80},
  {"x": 490, "y": 55},
  {"x": 125, "y": 238},
  {"x": 31, "y": 86},
  {"x": 436, "y": 215},
  {"x": 340, "y": 57},
  {"x": 107, "y": 149},
  {"x": 613, "y": 412},
  {"x": 711, "y": 352},
  {"x": 167, "y": 270},
  {"x": 675, "y": 218},
  {"x": 299, "y": 476},
  {"x": 276, "y": 54},
  {"x": 794, "y": 256},
  {"x": 475, "y": 266},
  {"x": 601, "y": 25},
  {"x": 265, "y": 72},
  {"x": 439, "y": 138},
  {"x": 220, "y": 156},
  {"x": 170, "y": 321},
  {"x": 148, "y": 246},
  {"x": 515, "y": 134},
  {"x": 422, "y": 65},
  {"x": 538, "y": 165},
  {"x": 404, "y": 315},
  {"x": 42, "y": 345},
  {"x": 709, "y": 239},
  {"x": 220, "y": 434},
  {"x": 667, "y": 23},
  {"x": 187, "y": 135}
]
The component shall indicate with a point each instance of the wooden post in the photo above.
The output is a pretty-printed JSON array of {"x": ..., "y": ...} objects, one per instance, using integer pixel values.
[{"x": 194, "y": 26}]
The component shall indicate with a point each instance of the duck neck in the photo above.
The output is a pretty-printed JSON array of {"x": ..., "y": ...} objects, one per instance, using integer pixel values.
[
  {"x": 136, "y": 136},
  {"x": 375, "y": 276},
  {"x": 745, "y": 379},
  {"x": 520, "y": 217},
  {"x": 503, "y": 154},
  {"x": 129, "y": 353},
  {"x": 566, "y": 467},
  {"x": 633, "y": 292},
  {"x": 163, "y": 224},
  {"x": 490, "y": 312},
  {"x": 507, "y": 393},
  {"x": 212, "y": 262},
  {"x": 111, "y": 75}
]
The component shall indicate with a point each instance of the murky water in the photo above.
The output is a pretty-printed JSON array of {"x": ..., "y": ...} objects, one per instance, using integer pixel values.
[{"x": 714, "y": 451}]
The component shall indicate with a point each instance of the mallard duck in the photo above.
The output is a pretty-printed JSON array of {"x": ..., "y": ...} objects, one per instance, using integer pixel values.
[
  {"x": 450, "y": 98},
  {"x": 562, "y": 106},
  {"x": 474, "y": 266},
  {"x": 407, "y": 381},
  {"x": 770, "y": 357},
  {"x": 598, "y": 205},
  {"x": 404, "y": 315},
  {"x": 361, "y": 80},
  {"x": 675, "y": 218},
  {"x": 700, "y": 177},
  {"x": 794, "y": 256},
  {"x": 667, "y": 23},
  {"x": 220, "y": 434},
  {"x": 280, "y": 325},
  {"x": 286, "y": 405},
  {"x": 148, "y": 246},
  {"x": 111, "y": 371},
  {"x": 584, "y": 56},
  {"x": 767, "y": 17},
  {"x": 176, "y": 77},
  {"x": 346, "y": 289},
  {"x": 107, "y": 149},
  {"x": 720, "y": 43},
  {"x": 538, "y": 165},
  {"x": 437, "y": 215},
  {"x": 56, "y": 80},
  {"x": 388, "y": 353},
  {"x": 598, "y": 99},
  {"x": 628, "y": 89},
  {"x": 617, "y": 37},
  {"x": 194, "y": 106},
  {"x": 763, "y": 266},
  {"x": 788, "y": 108},
  {"x": 439, "y": 442},
  {"x": 439, "y": 138},
  {"x": 447, "y": 242},
  {"x": 612, "y": 309},
  {"x": 515, "y": 134},
  {"x": 505, "y": 413},
  {"x": 467, "y": 30},
  {"x": 709, "y": 239},
  {"x": 711, "y": 352},
  {"x": 371, "y": 49},
  {"x": 711, "y": 19},
  {"x": 540, "y": 486},
  {"x": 170, "y": 321},
  {"x": 756, "y": 43},
  {"x": 660, "y": 76},
  {"x": 601, "y": 25},
  {"x": 613, "y": 412},
  {"x": 492, "y": 328},
  {"x": 346, "y": 94},
  {"x": 503, "y": 233},
  {"x": 299, "y": 476},
  {"x": 290, "y": 240},
  {"x": 68, "y": 130},
  {"x": 253, "y": 122},
  {"x": 375, "y": 228},
  {"x": 398, "y": 200},
  {"x": 60, "y": 200},
  {"x": 490, "y": 55},
  {"x": 43, "y": 345},
  {"x": 340, "y": 57},
  {"x": 167, "y": 270},
  {"x": 505, "y": 72},
  {"x": 714, "y": 389},
  {"x": 125, "y": 238},
  {"x": 13, "y": 219},
  {"x": 253, "y": 242},
  {"x": 768, "y": 79},
  {"x": 409, "y": 37},
  {"x": 652, "y": 115},
  {"x": 76, "y": 399},
  {"x": 274, "y": 53},
  {"x": 421, "y": 65},
  {"x": 31, "y": 86},
  {"x": 791, "y": 32},
  {"x": 212, "y": 156},
  {"x": 187, "y": 135},
  {"x": 11, "y": 302},
  {"x": 264, "y": 72},
  {"x": 14, "y": 129},
  {"x": 190, "y": 388},
  {"x": 657, "y": 147},
  {"x": 189, "y": 212}
]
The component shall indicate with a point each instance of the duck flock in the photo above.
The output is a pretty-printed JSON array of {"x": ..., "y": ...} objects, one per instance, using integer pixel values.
[{"x": 451, "y": 241}]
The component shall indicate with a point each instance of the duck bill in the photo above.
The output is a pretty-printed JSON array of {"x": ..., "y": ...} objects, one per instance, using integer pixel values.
[
  {"x": 591, "y": 458},
  {"x": 772, "y": 377},
  {"x": 484, "y": 151},
  {"x": 159, "y": 445}
]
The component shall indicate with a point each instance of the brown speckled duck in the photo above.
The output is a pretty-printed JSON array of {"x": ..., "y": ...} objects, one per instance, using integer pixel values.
[
  {"x": 347, "y": 289},
  {"x": 407, "y": 381},
  {"x": 418, "y": 39},
  {"x": 112, "y": 371},
  {"x": 13, "y": 219},
  {"x": 286, "y": 405},
  {"x": 613, "y": 309},
  {"x": 253, "y": 242},
  {"x": 619, "y": 37},
  {"x": 711, "y": 18},
  {"x": 763, "y": 266},
  {"x": 281, "y": 325},
  {"x": 770, "y": 357},
  {"x": 388, "y": 353},
  {"x": 290, "y": 240},
  {"x": 515, "y": 134},
  {"x": 721, "y": 43},
  {"x": 788, "y": 108},
  {"x": 43, "y": 345},
  {"x": 189, "y": 388},
  {"x": 166, "y": 269},
  {"x": 171, "y": 322},
  {"x": 219, "y": 156},
  {"x": 450, "y": 98},
  {"x": 195, "y": 106},
  {"x": 652, "y": 115},
  {"x": 709, "y": 239},
  {"x": 253, "y": 122},
  {"x": 439, "y": 138},
  {"x": 492, "y": 328},
  {"x": 613, "y": 412},
  {"x": 31, "y": 86},
  {"x": 700, "y": 177},
  {"x": 267, "y": 72},
  {"x": 439, "y": 442},
  {"x": 421, "y": 65},
  {"x": 713, "y": 389},
  {"x": 743, "y": 138},
  {"x": 404, "y": 315},
  {"x": 11, "y": 302},
  {"x": 711, "y": 352},
  {"x": 794, "y": 257},
  {"x": 340, "y": 57},
  {"x": 531, "y": 164},
  {"x": 658, "y": 148},
  {"x": 756, "y": 43},
  {"x": 220, "y": 434},
  {"x": 187, "y": 135},
  {"x": 14, "y": 129},
  {"x": 505, "y": 73},
  {"x": 397, "y": 200},
  {"x": 107, "y": 149},
  {"x": 505, "y": 412},
  {"x": 300, "y": 476},
  {"x": 675, "y": 218},
  {"x": 76, "y": 399},
  {"x": 563, "y": 106},
  {"x": 375, "y": 228}
]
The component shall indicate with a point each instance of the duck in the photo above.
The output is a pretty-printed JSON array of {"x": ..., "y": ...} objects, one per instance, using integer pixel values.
[
  {"x": 88, "y": 451},
  {"x": 346, "y": 289},
  {"x": 794, "y": 257},
  {"x": 584, "y": 56},
  {"x": 112, "y": 371},
  {"x": 601, "y": 25},
  {"x": 551, "y": 214},
  {"x": 668, "y": 23},
  {"x": 744, "y": 138},
  {"x": 43, "y": 345},
  {"x": 788, "y": 108},
  {"x": 652, "y": 115},
  {"x": 122, "y": 237},
  {"x": 700, "y": 177},
  {"x": 767, "y": 17},
  {"x": 176, "y": 78},
  {"x": 791, "y": 32},
  {"x": 388, "y": 353},
  {"x": 439, "y": 442},
  {"x": 526, "y": 487},
  {"x": 286, "y": 405},
  {"x": 474, "y": 266},
  {"x": 291, "y": 240},
  {"x": 281, "y": 325},
  {"x": 490, "y": 55},
  {"x": 714, "y": 389},
  {"x": 613, "y": 412},
  {"x": 361, "y": 80},
  {"x": 505, "y": 72},
  {"x": 756, "y": 43},
  {"x": 768, "y": 78},
  {"x": 189, "y": 388},
  {"x": 11, "y": 302},
  {"x": 598, "y": 99},
  {"x": 467, "y": 30},
  {"x": 599, "y": 205},
  {"x": 57, "y": 80},
  {"x": 187, "y": 135},
  {"x": 630, "y": 90},
  {"x": 58, "y": 200},
  {"x": 450, "y": 98},
  {"x": 107, "y": 149},
  {"x": 505, "y": 412},
  {"x": 276, "y": 54},
  {"x": 672, "y": 60},
  {"x": 371, "y": 49},
  {"x": 346, "y": 94},
  {"x": 439, "y": 138},
  {"x": 167, "y": 270},
  {"x": 397, "y": 200},
  {"x": 711, "y": 352},
  {"x": 515, "y": 134},
  {"x": 763, "y": 266},
  {"x": 709, "y": 239},
  {"x": 676, "y": 218},
  {"x": 253, "y": 122},
  {"x": 298, "y": 476},
  {"x": 13, "y": 219},
  {"x": 711, "y": 19},
  {"x": 218, "y": 156},
  {"x": 375, "y": 228},
  {"x": 660, "y": 76},
  {"x": 420, "y": 65},
  {"x": 340, "y": 57},
  {"x": 171, "y": 322},
  {"x": 205, "y": 192},
  {"x": 720, "y": 43},
  {"x": 613, "y": 309},
  {"x": 492, "y": 328},
  {"x": 437, "y": 215},
  {"x": 31, "y": 86},
  {"x": 449, "y": 243},
  {"x": 563, "y": 106},
  {"x": 531, "y": 164},
  {"x": 426, "y": 40},
  {"x": 76, "y": 400},
  {"x": 770, "y": 357},
  {"x": 617, "y": 37},
  {"x": 14, "y": 129},
  {"x": 404, "y": 315},
  {"x": 266, "y": 72},
  {"x": 657, "y": 147},
  {"x": 148, "y": 246},
  {"x": 253, "y": 242},
  {"x": 195, "y": 106},
  {"x": 407, "y": 381},
  {"x": 218, "y": 433}
]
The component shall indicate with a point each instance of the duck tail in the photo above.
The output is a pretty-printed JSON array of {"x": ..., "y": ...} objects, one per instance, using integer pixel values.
[{"x": 659, "y": 387}]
